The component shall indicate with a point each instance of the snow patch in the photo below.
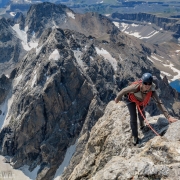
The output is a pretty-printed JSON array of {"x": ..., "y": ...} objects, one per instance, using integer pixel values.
[
  {"x": 124, "y": 25},
  {"x": 54, "y": 55},
  {"x": 120, "y": 58},
  {"x": 116, "y": 24},
  {"x": 26, "y": 28},
  {"x": 7, "y": 75},
  {"x": 77, "y": 55},
  {"x": 165, "y": 73},
  {"x": 38, "y": 50},
  {"x": 136, "y": 34},
  {"x": 70, "y": 14},
  {"x": 150, "y": 35},
  {"x": 55, "y": 25},
  {"x": 16, "y": 80},
  {"x": 12, "y": 13},
  {"x": 134, "y": 25},
  {"x": 5, "y": 107},
  {"x": 28, "y": 1},
  {"x": 22, "y": 35},
  {"x": 69, "y": 153},
  {"x": 154, "y": 57},
  {"x": 92, "y": 58},
  {"x": 47, "y": 77},
  {"x": 34, "y": 78},
  {"x": 107, "y": 56},
  {"x": 160, "y": 56},
  {"x": 32, "y": 175},
  {"x": 10, "y": 173},
  {"x": 150, "y": 59},
  {"x": 85, "y": 48},
  {"x": 171, "y": 66},
  {"x": 161, "y": 76},
  {"x": 177, "y": 51},
  {"x": 31, "y": 45}
]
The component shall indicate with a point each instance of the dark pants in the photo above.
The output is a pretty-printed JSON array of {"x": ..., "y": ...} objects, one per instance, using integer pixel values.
[{"x": 133, "y": 118}]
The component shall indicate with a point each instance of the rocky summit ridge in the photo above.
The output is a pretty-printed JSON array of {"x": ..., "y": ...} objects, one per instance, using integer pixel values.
[
  {"x": 60, "y": 88},
  {"x": 110, "y": 155}
]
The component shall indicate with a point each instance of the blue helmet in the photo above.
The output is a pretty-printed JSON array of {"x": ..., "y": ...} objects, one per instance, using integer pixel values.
[{"x": 147, "y": 78}]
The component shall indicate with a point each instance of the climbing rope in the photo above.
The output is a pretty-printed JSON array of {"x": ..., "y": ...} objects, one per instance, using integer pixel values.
[
  {"x": 146, "y": 120},
  {"x": 143, "y": 103}
]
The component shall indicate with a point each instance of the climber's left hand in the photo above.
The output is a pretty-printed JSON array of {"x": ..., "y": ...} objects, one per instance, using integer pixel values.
[{"x": 172, "y": 119}]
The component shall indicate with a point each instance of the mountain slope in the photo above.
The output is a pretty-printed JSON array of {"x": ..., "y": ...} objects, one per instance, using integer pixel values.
[{"x": 162, "y": 33}]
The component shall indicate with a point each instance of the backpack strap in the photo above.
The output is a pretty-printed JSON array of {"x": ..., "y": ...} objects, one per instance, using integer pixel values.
[
  {"x": 132, "y": 97},
  {"x": 137, "y": 82}
]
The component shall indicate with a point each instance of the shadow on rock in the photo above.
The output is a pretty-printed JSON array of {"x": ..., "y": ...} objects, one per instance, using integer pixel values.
[{"x": 160, "y": 127}]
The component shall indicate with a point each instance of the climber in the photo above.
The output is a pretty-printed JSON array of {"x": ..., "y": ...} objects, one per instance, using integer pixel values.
[{"x": 138, "y": 95}]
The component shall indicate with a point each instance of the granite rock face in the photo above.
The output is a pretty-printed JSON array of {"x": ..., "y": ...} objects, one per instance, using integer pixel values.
[{"x": 109, "y": 153}]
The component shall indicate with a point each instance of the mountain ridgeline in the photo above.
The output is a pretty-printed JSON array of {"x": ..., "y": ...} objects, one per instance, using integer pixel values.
[
  {"x": 57, "y": 92},
  {"x": 169, "y": 24},
  {"x": 51, "y": 15}
]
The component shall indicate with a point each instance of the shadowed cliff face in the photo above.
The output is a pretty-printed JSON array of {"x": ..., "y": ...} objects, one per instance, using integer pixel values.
[
  {"x": 10, "y": 47},
  {"x": 5, "y": 84},
  {"x": 109, "y": 153},
  {"x": 60, "y": 90}
]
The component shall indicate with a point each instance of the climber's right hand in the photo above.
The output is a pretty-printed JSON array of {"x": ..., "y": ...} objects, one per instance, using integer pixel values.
[{"x": 116, "y": 100}]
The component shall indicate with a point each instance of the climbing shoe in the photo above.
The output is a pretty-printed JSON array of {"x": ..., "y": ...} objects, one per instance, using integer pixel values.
[
  {"x": 135, "y": 140},
  {"x": 144, "y": 129}
]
